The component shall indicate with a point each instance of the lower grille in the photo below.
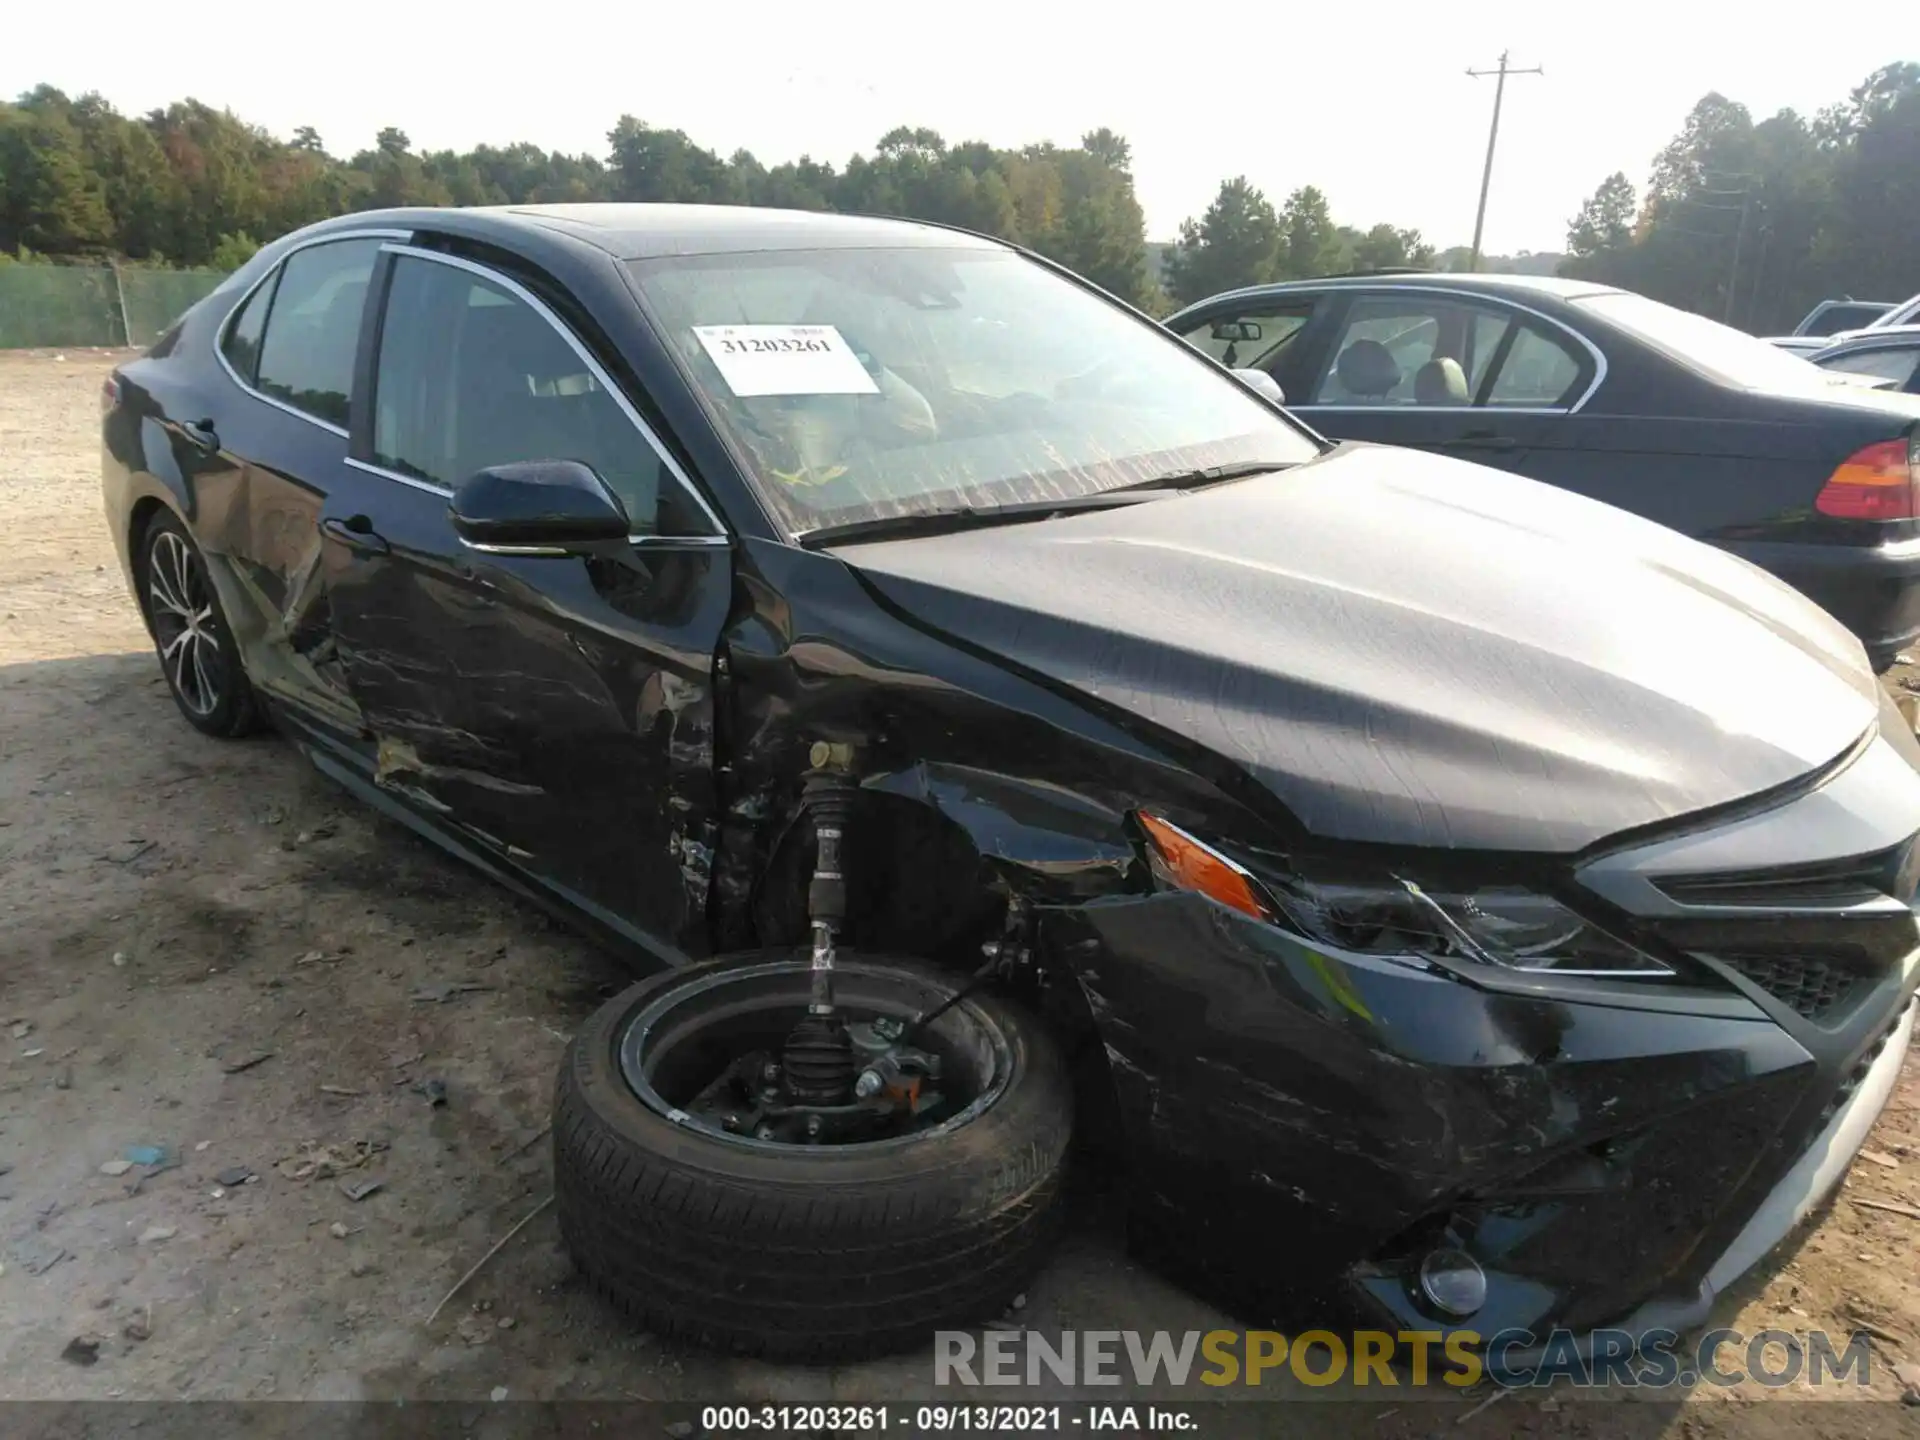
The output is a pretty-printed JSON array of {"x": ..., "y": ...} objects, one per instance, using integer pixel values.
[
  {"x": 1812, "y": 988},
  {"x": 1858, "y": 1073}
]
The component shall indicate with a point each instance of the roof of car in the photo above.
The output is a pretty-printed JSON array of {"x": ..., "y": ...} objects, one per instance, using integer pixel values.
[
  {"x": 629, "y": 231},
  {"x": 1514, "y": 285}
]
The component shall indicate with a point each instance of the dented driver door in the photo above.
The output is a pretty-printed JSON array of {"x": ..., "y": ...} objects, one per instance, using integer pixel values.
[{"x": 556, "y": 711}]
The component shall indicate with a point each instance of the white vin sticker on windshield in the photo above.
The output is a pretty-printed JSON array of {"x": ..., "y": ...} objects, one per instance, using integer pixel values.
[{"x": 785, "y": 360}]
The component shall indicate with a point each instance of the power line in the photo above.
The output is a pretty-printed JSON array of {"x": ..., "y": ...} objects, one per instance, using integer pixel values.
[{"x": 1493, "y": 136}]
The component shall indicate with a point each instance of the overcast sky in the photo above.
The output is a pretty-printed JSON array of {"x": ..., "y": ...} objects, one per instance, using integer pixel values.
[{"x": 1368, "y": 102}]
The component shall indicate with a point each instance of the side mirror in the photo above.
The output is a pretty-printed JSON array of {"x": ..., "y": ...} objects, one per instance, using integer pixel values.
[
  {"x": 1263, "y": 382},
  {"x": 537, "y": 507},
  {"x": 1236, "y": 330}
]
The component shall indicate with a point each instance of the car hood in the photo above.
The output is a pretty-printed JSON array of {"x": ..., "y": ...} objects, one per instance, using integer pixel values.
[{"x": 1413, "y": 650}]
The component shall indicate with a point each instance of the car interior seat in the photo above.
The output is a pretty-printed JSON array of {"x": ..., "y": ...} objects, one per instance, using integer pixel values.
[
  {"x": 1441, "y": 381},
  {"x": 1366, "y": 368}
]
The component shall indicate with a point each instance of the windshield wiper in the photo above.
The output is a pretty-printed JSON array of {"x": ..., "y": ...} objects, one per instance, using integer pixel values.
[
  {"x": 1208, "y": 475},
  {"x": 968, "y": 517}
]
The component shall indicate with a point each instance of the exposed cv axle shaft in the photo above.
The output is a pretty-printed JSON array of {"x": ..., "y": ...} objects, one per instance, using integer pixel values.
[{"x": 818, "y": 1059}]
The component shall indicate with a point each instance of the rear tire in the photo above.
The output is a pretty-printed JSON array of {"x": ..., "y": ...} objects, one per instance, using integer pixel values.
[
  {"x": 197, "y": 651},
  {"x": 813, "y": 1253}
]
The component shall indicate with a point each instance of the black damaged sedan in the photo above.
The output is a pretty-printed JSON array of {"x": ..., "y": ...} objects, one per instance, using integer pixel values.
[{"x": 1456, "y": 904}]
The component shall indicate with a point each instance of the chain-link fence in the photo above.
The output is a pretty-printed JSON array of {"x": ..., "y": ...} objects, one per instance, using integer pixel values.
[{"x": 52, "y": 305}]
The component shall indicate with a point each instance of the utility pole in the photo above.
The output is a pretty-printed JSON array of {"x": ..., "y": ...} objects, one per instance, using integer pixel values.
[
  {"x": 1493, "y": 136},
  {"x": 1739, "y": 237}
]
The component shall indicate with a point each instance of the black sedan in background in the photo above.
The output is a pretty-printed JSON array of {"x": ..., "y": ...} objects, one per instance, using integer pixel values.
[
  {"x": 1678, "y": 418},
  {"x": 1369, "y": 850}
]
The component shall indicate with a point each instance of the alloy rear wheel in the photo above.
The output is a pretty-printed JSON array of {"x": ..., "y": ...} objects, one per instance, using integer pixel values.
[{"x": 191, "y": 636}]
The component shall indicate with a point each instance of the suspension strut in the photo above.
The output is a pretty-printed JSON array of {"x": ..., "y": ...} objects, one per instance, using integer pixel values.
[{"x": 818, "y": 1059}]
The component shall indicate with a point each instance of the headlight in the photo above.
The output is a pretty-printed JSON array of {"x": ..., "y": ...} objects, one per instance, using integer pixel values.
[{"x": 1504, "y": 926}]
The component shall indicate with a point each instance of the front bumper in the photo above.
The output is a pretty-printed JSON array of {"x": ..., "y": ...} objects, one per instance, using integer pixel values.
[
  {"x": 1802, "y": 1190},
  {"x": 1305, "y": 1125}
]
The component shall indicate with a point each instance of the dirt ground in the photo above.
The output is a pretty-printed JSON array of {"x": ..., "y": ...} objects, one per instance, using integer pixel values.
[{"x": 205, "y": 947}]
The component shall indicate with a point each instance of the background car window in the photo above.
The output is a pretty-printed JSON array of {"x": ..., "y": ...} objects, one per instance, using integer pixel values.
[
  {"x": 1907, "y": 312},
  {"x": 242, "y": 343},
  {"x": 313, "y": 327},
  {"x": 1895, "y": 365},
  {"x": 1427, "y": 350},
  {"x": 1832, "y": 319},
  {"x": 470, "y": 375},
  {"x": 1539, "y": 371},
  {"x": 1250, "y": 339}
]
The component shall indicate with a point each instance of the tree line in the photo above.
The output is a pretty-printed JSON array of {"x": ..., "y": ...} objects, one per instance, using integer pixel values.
[
  {"x": 1751, "y": 222},
  {"x": 1755, "y": 222},
  {"x": 194, "y": 186}
]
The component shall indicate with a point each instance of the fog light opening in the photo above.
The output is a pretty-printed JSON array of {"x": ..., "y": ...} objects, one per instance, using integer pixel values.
[{"x": 1453, "y": 1282}]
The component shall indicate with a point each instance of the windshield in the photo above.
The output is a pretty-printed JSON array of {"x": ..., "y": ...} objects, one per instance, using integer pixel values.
[
  {"x": 869, "y": 384},
  {"x": 1719, "y": 351}
]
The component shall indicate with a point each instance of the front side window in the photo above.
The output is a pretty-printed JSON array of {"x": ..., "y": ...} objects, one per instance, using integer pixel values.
[
  {"x": 1253, "y": 337},
  {"x": 865, "y": 384},
  {"x": 1896, "y": 365},
  {"x": 470, "y": 376},
  {"x": 313, "y": 327}
]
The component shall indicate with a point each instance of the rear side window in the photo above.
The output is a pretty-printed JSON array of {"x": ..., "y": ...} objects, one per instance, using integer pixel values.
[
  {"x": 1539, "y": 372},
  {"x": 313, "y": 327},
  {"x": 470, "y": 375},
  {"x": 242, "y": 343}
]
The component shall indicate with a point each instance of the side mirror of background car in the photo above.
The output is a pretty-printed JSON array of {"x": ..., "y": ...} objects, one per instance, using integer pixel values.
[
  {"x": 1265, "y": 384},
  {"x": 552, "y": 507}
]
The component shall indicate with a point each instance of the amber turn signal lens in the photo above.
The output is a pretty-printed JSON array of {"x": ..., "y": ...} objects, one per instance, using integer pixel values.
[{"x": 1185, "y": 862}]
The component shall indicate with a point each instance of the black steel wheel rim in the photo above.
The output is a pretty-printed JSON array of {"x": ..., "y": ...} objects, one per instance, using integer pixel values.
[
  {"x": 671, "y": 1046},
  {"x": 186, "y": 626}
]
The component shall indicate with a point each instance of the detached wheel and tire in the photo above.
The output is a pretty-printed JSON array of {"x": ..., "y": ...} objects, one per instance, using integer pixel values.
[{"x": 811, "y": 1252}]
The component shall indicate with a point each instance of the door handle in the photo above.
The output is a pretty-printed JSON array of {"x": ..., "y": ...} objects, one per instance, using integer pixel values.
[
  {"x": 1481, "y": 440},
  {"x": 356, "y": 532},
  {"x": 201, "y": 435}
]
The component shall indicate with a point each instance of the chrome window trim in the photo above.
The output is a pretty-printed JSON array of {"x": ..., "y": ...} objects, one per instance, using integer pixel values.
[
  {"x": 226, "y": 323},
  {"x": 367, "y": 467},
  {"x": 1484, "y": 298},
  {"x": 594, "y": 367},
  {"x": 643, "y": 542},
  {"x": 548, "y": 551},
  {"x": 1436, "y": 409},
  {"x": 639, "y": 542}
]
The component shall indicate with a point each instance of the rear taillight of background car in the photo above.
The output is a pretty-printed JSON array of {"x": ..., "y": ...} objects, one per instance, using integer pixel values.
[
  {"x": 109, "y": 394},
  {"x": 1877, "y": 482}
]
